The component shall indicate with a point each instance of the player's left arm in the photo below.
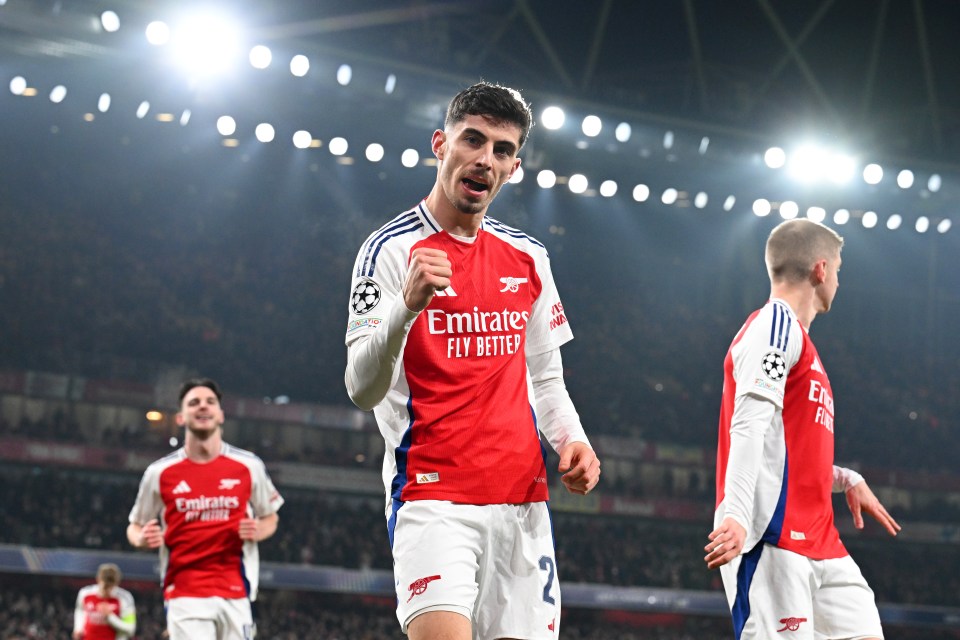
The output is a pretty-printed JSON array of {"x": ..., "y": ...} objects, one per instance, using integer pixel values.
[
  {"x": 861, "y": 499},
  {"x": 558, "y": 420},
  {"x": 259, "y": 529},
  {"x": 264, "y": 500}
]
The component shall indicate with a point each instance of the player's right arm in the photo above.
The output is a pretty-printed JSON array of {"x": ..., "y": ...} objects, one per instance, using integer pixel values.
[
  {"x": 373, "y": 357},
  {"x": 79, "y": 617},
  {"x": 144, "y": 530},
  {"x": 145, "y": 536}
]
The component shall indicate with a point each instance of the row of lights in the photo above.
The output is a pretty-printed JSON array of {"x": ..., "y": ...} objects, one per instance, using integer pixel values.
[
  {"x": 809, "y": 163},
  {"x": 869, "y": 219}
]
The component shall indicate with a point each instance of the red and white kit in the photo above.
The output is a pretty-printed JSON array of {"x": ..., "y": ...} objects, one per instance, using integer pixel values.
[{"x": 90, "y": 616}]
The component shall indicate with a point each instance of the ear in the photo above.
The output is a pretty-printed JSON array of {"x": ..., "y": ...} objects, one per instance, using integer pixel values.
[
  {"x": 179, "y": 419},
  {"x": 516, "y": 165},
  {"x": 438, "y": 143},
  {"x": 819, "y": 272}
]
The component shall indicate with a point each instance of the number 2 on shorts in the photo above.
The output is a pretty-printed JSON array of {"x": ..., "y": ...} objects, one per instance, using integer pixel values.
[{"x": 546, "y": 564}]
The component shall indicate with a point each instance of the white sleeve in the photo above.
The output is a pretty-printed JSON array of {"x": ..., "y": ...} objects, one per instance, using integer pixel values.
[
  {"x": 752, "y": 416},
  {"x": 264, "y": 497},
  {"x": 548, "y": 327},
  {"x": 123, "y": 626},
  {"x": 373, "y": 359},
  {"x": 149, "y": 503},
  {"x": 79, "y": 615},
  {"x": 557, "y": 418},
  {"x": 845, "y": 479}
]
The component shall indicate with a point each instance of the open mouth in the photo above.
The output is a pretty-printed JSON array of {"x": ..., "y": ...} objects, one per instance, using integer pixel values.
[{"x": 474, "y": 186}]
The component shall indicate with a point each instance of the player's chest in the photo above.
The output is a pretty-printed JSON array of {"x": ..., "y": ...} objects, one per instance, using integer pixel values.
[{"x": 205, "y": 486}]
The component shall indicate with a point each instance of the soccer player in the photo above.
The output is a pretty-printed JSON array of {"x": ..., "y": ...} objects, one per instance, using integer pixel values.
[
  {"x": 783, "y": 566},
  {"x": 215, "y": 503},
  {"x": 104, "y": 610},
  {"x": 453, "y": 340}
]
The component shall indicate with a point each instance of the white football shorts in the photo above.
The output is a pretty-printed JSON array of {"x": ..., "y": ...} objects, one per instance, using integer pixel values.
[
  {"x": 775, "y": 593},
  {"x": 494, "y": 564},
  {"x": 210, "y": 619}
]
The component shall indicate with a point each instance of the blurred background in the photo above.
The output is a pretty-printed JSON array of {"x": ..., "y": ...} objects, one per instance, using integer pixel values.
[{"x": 184, "y": 188}]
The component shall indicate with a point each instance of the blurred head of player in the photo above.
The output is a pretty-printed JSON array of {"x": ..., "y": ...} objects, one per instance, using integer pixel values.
[
  {"x": 804, "y": 253},
  {"x": 108, "y": 576},
  {"x": 200, "y": 410},
  {"x": 485, "y": 127}
]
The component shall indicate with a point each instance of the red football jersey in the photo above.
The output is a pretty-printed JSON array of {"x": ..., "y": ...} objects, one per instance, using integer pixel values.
[{"x": 92, "y": 622}]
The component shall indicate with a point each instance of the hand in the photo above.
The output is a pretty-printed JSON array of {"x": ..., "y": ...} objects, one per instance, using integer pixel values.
[
  {"x": 580, "y": 468},
  {"x": 726, "y": 543},
  {"x": 861, "y": 498},
  {"x": 250, "y": 529},
  {"x": 429, "y": 272},
  {"x": 78, "y": 634},
  {"x": 150, "y": 535},
  {"x": 104, "y": 608}
]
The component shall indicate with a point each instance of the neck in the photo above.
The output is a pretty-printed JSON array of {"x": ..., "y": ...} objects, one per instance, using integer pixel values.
[
  {"x": 200, "y": 449},
  {"x": 801, "y": 299},
  {"x": 451, "y": 219}
]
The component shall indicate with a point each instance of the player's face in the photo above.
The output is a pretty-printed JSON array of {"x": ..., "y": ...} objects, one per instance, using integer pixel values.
[
  {"x": 477, "y": 156},
  {"x": 831, "y": 282},
  {"x": 200, "y": 411}
]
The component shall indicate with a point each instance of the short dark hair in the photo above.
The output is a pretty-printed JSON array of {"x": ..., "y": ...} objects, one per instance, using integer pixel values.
[
  {"x": 193, "y": 383},
  {"x": 499, "y": 103}
]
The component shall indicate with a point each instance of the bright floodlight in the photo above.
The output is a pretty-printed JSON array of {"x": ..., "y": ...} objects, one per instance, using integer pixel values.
[
  {"x": 103, "y": 103},
  {"x": 185, "y": 117},
  {"x": 641, "y": 193},
  {"x": 302, "y": 139},
  {"x": 265, "y": 132},
  {"x": 143, "y": 109},
  {"x": 517, "y": 176},
  {"x": 789, "y": 209},
  {"x": 944, "y": 225},
  {"x": 206, "y": 44},
  {"x": 775, "y": 157},
  {"x": 934, "y": 183},
  {"x": 158, "y": 33},
  {"x": 374, "y": 152},
  {"x": 110, "y": 21},
  {"x": 807, "y": 163},
  {"x": 344, "y": 75},
  {"x": 894, "y": 221},
  {"x": 58, "y": 93},
  {"x": 260, "y": 57},
  {"x": 546, "y": 178},
  {"x": 577, "y": 183},
  {"x": 622, "y": 132},
  {"x": 299, "y": 65},
  {"x": 338, "y": 146},
  {"x": 817, "y": 214},
  {"x": 840, "y": 168},
  {"x": 391, "y": 84},
  {"x": 668, "y": 140},
  {"x": 226, "y": 125},
  {"x": 700, "y": 200},
  {"x": 923, "y": 223},
  {"x": 608, "y": 188},
  {"x": 704, "y": 145},
  {"x": 409, "y": 158},
  {"x": 591, "y": 126},
  {"x": 872, "y": 174},
  {"x": 729, "y": 202},
  {"x": 869, "y": 219},
  {"x": 905, "y": 179},
  {"x": 552, "y": 117},
  {"x": 761, "y": 207},
  {"x": 669, "y": 196},
  {"x": 18, "y": 85},
  {"x": 842, "y": 216}
]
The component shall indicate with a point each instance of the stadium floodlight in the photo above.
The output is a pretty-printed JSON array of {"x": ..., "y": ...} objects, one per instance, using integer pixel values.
[
  {"x": 905, "y": 179},
  {"x": 206, "y": 43},
  {"x": 872, "y": 173},
  {"x": 143, "y": 109},
  {"x": 546, "y": 179},
  {"x": 729, "y": 203},
  {"x": 409, "y": 158},
  {"x": 260, "y": 57},
  {"x": 869, "y": 219},
  {"x": 578, "y": 183},
  {"x": 344, "y": 75},
  {"x": 622, "y": 132},
  {"x": 842, "y": 216},
  {"x": 944, "y": 225},
  {"x": 923, "y": 223},
  {"x": 374, "y": 152},
  {"x": 700, "y": 200},
  {"x": 185, "y": 117},
  {"x": 391, "y": 85},
  {"x": 641, "y": 193},
  {"x": 817, "y": 214},
  {"x": 552, "y": 117},
  {"x": 158, "y": 33},
  {"x": 704, "y": 145},
  {"x": 775, "y": 157},
  {"x": 226, "y": 125},
  {"x": 18, "y": 85},
  {"x": 58, "y": 94},
  {"x": 265, "y": 132},
  {"x": 338, "y": 146},
  {"x": 789, "y": 210},
  {"x": 299, "y": 65},
  {"x": 103, "y": 103},
  {"x": 591, "y": 126},
  {"x": 894, "y": 222},
  {"x": 807, "y": 163},
  {"x": 302, "y": 139},
  {"x": 840, "y": 168},
  {"x": 669, "y": 196},
  {"x": 517, "y": 176},
  {"x": 110, "y": 21},
  {"x": 668, "y": 140},
  {"x": 761, "y": 207},
  {"x": 934, "y": 183},
  {"x": 608, "y": 188}
]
